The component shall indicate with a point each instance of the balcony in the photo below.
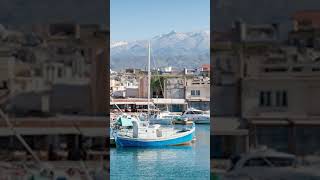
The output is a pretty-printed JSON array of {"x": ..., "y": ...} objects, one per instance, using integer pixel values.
[{"x": 197, "y": 98}]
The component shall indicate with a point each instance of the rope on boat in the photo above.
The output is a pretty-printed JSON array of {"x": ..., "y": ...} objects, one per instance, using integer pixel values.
[
  {"x": 82, "y": 162},
  {"x": 18, "y": 135}
]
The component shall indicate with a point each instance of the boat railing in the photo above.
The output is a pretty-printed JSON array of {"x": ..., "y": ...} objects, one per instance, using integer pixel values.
[{"x": 125, "y": 132}]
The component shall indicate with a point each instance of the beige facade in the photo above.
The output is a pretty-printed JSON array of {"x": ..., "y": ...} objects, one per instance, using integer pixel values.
[
  {"x": 302, "y": 97},
  {"x": 270, "y": 87},
  {"x": 198, "y": 89},
  {"x": 197, "y": 93},
  {"x": 280, "y": 99}
]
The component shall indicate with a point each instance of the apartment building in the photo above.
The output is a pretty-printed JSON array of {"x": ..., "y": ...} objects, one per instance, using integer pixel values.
[
  {"x": 174, "y": 88},
  {"x": 269, "y": 87},
  {"x": 198, "y": 93},
  {"x": 69, "y": 59}
]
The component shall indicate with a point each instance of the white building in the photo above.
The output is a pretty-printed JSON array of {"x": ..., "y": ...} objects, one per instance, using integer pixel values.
[
  {"x": 198, "y": 93},
  {"x": 174, "y": 88}
]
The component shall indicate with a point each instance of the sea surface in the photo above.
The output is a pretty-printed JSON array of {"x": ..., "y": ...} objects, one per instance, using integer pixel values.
[{"x": 173, "y": 162}]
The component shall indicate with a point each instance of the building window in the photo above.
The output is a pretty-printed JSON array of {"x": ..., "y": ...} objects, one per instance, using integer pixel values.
[
  {"x": 269, "y": 102},
  {"x": 278, "y": 98},
  {"x": 195, "y": 92},
  {"x": 276, "y": 69},
  {"x": 281, "y": 99},
  {"x": 262, "y": 98},
  {"x": 265, "y": 98},
  {"x": 284, "y": 99},
  {"x": 59, "y": 72},
  {"x": 297, "y": 69},
  {"x": 4, "y": 85}
]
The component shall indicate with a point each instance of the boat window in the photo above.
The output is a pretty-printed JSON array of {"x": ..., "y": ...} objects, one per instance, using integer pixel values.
[
  {"x": 255, "y": 162},
  {"x": 280, "y": 161},
  {"x": 190, "y": 112},
  {"x": 197, "y": 112}
]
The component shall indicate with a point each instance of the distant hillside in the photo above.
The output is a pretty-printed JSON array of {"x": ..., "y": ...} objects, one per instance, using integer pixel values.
[{"x": 172, "y": 49}]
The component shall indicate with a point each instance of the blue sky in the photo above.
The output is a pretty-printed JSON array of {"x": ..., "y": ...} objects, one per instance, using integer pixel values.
[{"x": 143, "y": 19}]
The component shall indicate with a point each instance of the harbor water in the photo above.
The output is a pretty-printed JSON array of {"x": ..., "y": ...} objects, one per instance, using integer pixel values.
[{"x": 173, "y": 162}]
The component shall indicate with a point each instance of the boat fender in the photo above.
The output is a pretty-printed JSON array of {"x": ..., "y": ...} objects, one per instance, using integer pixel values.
[{"x": 135, "y": 129}]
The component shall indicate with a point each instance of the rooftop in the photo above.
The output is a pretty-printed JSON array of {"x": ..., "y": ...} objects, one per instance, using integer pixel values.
[{"x": 312, "y": 16}]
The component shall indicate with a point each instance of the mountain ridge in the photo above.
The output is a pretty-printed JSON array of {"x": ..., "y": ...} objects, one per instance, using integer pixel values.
[{"x": 177, "y": 49}]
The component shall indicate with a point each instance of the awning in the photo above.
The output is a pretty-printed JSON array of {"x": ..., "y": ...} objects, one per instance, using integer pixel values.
[
  {"x": 120, "y": 103},
  {"x": 269, "y": 122},
  {"x": 94, "y": 132},
  {"x": 39, "y": 131},
  {"x": 199, "y": 100},
  {"x": 306, "y": 122},
  {"x": 236, "y": 132},
  {"x": 143, "y": 103},
  {"x": 47, "y": 131},
  {"x": 90, "y": 132},
  {"x": 130, "y": 102},
  {"x": 227, "y": 126},
  {"x": 168, "y": 101}
]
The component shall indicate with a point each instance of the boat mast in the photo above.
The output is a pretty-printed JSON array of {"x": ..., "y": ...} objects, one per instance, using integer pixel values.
[{"x": 149, "y": 78}]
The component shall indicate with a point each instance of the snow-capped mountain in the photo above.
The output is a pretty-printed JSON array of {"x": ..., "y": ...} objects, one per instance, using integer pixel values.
[
  {"x": 118, "y": 43},
  {"x": 175, "y": 49}
]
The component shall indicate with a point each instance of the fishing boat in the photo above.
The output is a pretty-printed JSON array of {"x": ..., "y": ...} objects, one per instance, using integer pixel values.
[
  {"x": 144, "y": 134},
  {"x": 154, "y": 135},
  {"x": 197, "y": 116}
]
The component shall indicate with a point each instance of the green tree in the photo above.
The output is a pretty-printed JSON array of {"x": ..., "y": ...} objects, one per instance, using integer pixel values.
[{"x": 157, "y": 84}]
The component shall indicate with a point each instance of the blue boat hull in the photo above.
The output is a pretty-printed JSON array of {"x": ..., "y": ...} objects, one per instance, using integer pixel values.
[{"x": 166, "y": 142}]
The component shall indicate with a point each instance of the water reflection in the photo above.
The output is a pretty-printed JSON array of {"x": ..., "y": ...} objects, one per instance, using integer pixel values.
[
  {"x": 142, "y": 154},
  {"x": 174, "y": 162}
]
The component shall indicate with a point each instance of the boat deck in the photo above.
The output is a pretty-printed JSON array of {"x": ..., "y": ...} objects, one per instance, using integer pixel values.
[{"x": 166, "y": 132}]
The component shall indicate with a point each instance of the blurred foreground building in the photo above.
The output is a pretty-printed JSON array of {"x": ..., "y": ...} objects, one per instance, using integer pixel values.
[
  {"x": 267, "y": 90},
  {"x": 53, "y": 86}
]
